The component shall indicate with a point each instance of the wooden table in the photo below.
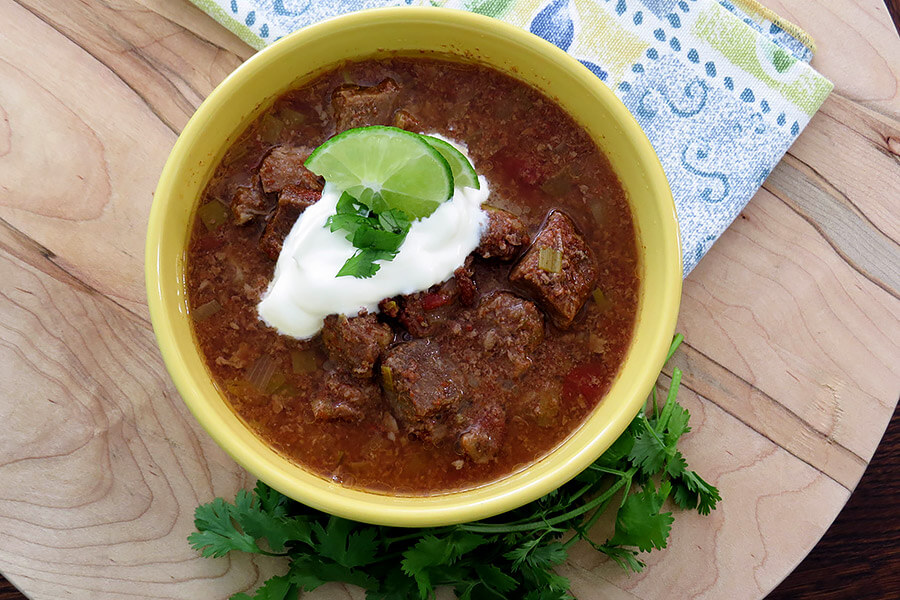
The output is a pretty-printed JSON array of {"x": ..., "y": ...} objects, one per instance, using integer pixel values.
[{"x": 792, "y": 366}]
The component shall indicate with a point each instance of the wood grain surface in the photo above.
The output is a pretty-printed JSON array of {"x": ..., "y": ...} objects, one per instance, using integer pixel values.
[{"x": 791, "y": 371}]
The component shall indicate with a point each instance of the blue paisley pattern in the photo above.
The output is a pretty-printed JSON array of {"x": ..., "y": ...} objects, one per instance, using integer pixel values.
[{"x": 554, "y": 24}]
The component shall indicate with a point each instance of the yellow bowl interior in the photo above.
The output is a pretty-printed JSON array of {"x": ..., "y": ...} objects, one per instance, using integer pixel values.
[{"x": 413, "y": 31}]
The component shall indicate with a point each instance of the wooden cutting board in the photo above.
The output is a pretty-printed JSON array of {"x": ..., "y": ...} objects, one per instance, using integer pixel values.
[{"x": 792, "y": 365}]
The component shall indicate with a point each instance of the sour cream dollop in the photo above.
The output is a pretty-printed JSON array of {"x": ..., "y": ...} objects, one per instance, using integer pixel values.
[{"x": 304, "y": 289}]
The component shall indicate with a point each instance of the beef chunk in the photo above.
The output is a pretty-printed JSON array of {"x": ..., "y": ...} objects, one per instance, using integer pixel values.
[
  {"x": 404, "y": 120},
  {"x": 344, "y": 398},
  {"x": 560, "y": 294},
  {"x": 354, "y": 344},
  {"x": 481, "y": 440},
  {"x": 412, "y": 314},
  {"x": 283, "y": 166},
  {"x": 541, "y": 403},
  {"x": 515, "y": 322},
  {"x": 510, "y": 328},
  {"x": 249, "y": 203},
  {"x": 425, "y": 313},
  {"x": 465, "y": 284},
  {"x": 356, "y": 106},
  {"x": 409, "y": 311},
  {"x": 422, "y": 389},
  {"x": 292, "y": 201},
  {"x": 505, "y": 235}
]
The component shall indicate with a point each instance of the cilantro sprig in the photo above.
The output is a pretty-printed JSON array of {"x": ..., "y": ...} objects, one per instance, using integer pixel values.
[
  {"x": 509, "y": 556},
  {"x": 374, "y": 229}
]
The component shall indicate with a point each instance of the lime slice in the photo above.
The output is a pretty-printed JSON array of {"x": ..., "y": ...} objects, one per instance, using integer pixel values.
[
  {"x": 464, "y": 174},
  {"x": 398, "y": 165}
]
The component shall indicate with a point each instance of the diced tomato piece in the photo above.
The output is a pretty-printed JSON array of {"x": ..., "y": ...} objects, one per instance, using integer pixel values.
[
  {"x": 588, "y": 380},
  {"x": 210, "y": 242},
  {"x": 435, "y": 300},
  {"x": 528, "y": 169}
]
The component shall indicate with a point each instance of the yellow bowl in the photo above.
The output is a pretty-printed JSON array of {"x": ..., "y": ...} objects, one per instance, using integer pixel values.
[{"x": 306, "y": 53}]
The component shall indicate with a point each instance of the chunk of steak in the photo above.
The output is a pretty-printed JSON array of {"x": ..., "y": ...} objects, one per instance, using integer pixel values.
[
  {"x": 248, "y": 203},
  {"x": 504, "y": 237},
  {"x": 495, "y": 341},
  {"x": 344, "y": 398},
  {"x": 465, "y": 284},
  {"x": 355, "y": 343},
  {"x": 510, "y": 325},
  {"x": 404, "y": 120},
  {"x": 283, "y": 166},
  {"x": 483, "y": 437},
  {"x": 356, "y": 106},
  {"x": 422, "y": 388},
  {"x": 292, "y": 201},
  {"x": 560, "y": 294},
  {"x": 425, "y": 313},
  {"x": 410, "y": 311}
]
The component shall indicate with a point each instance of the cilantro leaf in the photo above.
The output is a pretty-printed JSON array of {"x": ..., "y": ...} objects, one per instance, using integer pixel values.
[
  {"x": 648, "y": 452},
  {"x": 619, "y": 450},
  {"x": 348, "y": 205},
  {"x": 677, "y": 425},
  {"x": 270, "y": 501},
  {"x": 494, "y": 579},
  {"x": 639, "y": 522},
  {"x": 362, "y": 263},
  {"x": 370, "y": 199},
  {"x": 348, "y": 222},
  {"x": 430, "y": 551},
  {"x": 216, "y": 534},
  {"x": 536, "y": 556},
  {"x": 338, "y": 541},
  {"x": 224, "y": 527},
  {"x": 624, "y": 557},
  {"x": 367, "y": 236},
  {"x": 676, "y": 465},
  {"x": 279, "y": 587},
  {"x": 309, "y": 572},
  {"x": 691, "y": 491},
  {"x": 394, "y": 220}
]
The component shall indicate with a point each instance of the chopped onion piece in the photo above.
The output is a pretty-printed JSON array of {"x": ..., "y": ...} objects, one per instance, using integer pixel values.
[
  {"x": 387, "y": 378},
  {"x": 205, "y": 311},
  {"x": 596, "y": 344},
  {"x": 304, "y": 361},
  {"x": 598, "y": 210},
  {"x": 270, "y": 129},
  {"x": 559, "y": 185},
  {"x": 213, "y": 214},
  {"x": 550, "y": 260},
  {"x": 601, "y": 300},
  {"x": 276, "y": 383},
  {"x": 238, "y": 387},
  {"x": 291, "y": 116},
  {"x": 261, "y": 372}
]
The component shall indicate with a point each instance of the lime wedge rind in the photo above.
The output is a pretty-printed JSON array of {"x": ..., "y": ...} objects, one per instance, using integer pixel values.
[{"x": 464, "y": 174}]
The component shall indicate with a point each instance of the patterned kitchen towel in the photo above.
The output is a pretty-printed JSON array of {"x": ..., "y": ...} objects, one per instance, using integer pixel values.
[{"x": 721, "y": 87}]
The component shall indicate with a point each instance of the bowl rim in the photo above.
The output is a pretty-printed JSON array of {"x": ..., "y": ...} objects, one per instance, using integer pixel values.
[{"x": 357, "y": 504}]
